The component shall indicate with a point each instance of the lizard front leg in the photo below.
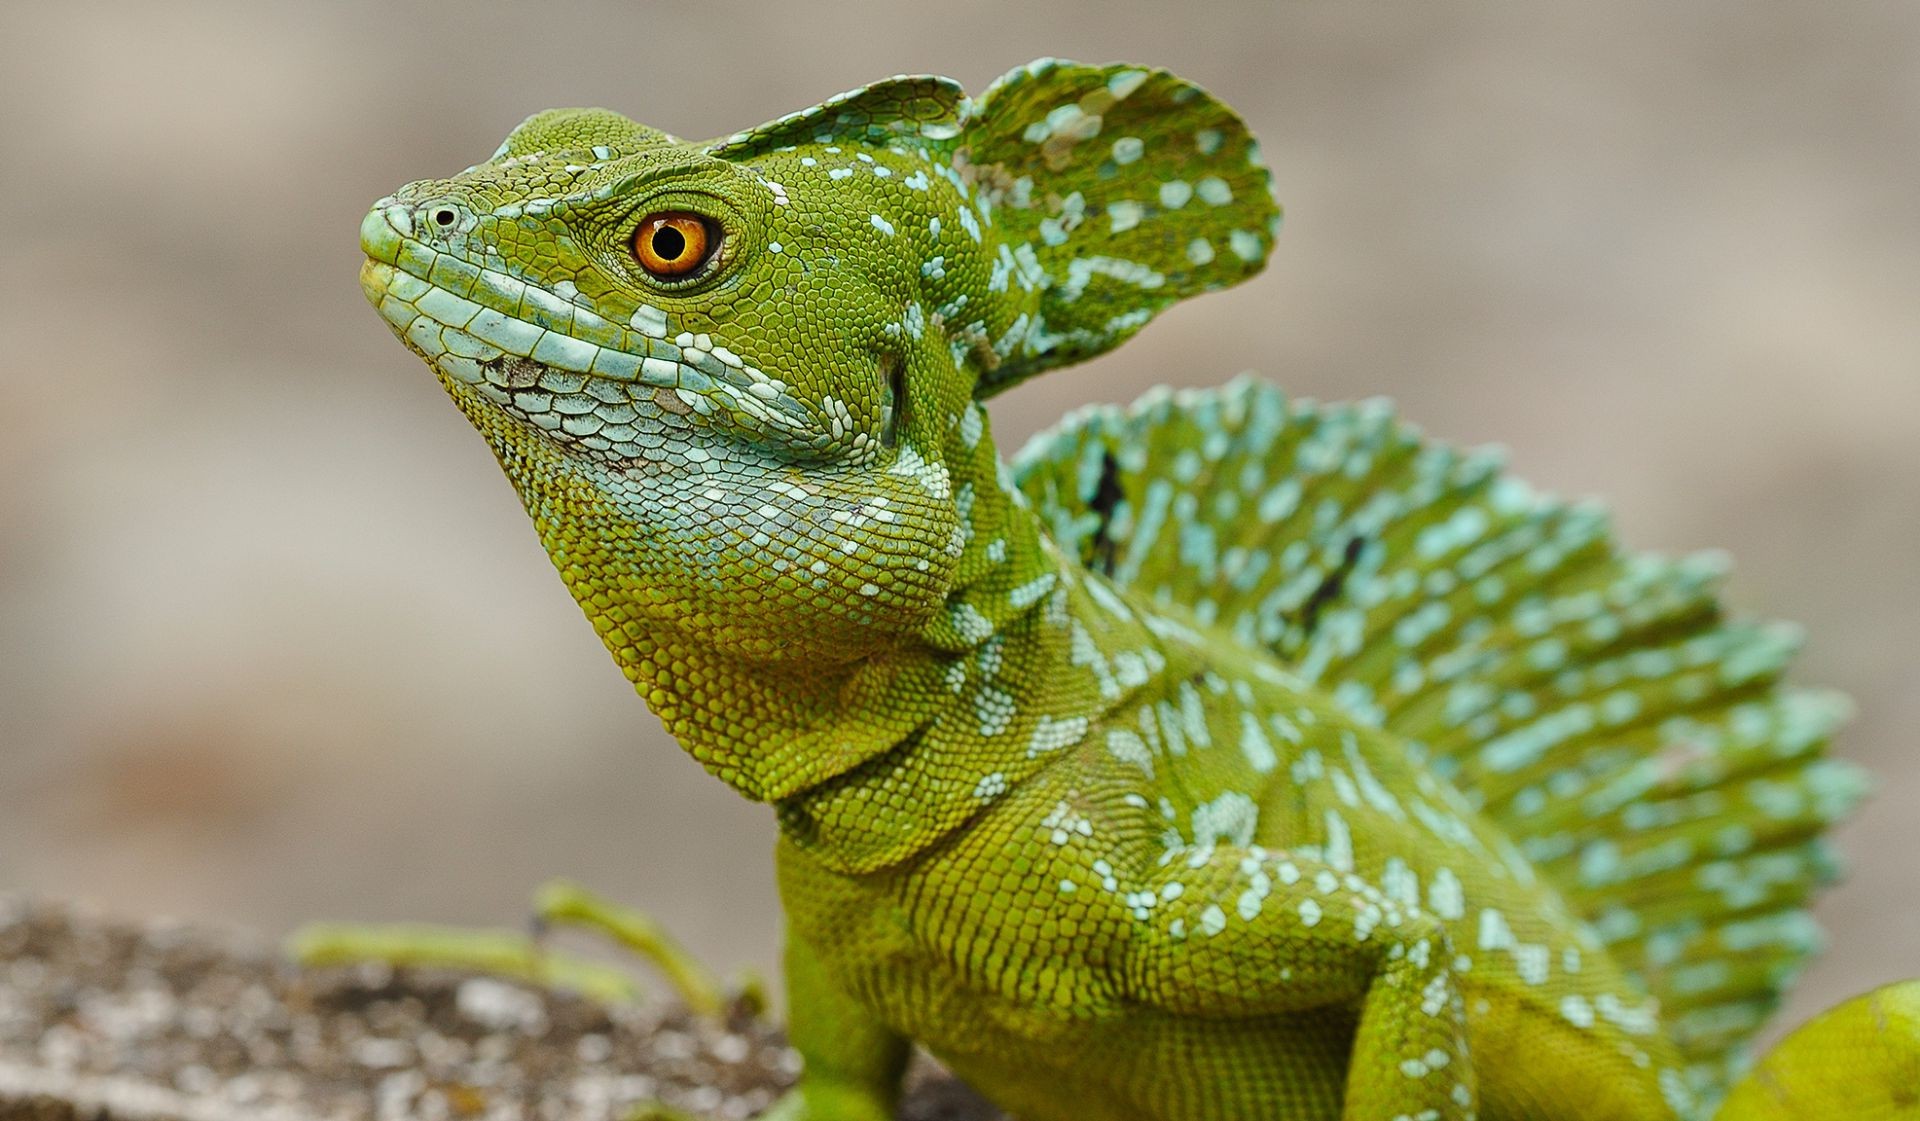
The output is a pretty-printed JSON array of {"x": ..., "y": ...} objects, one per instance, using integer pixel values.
[
  {"x": 853, "y": 1062},
  {"x": 1247, "y": 932}
]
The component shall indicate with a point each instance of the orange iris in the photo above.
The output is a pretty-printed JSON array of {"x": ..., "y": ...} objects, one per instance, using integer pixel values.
[{"x": 671, "y": 244}]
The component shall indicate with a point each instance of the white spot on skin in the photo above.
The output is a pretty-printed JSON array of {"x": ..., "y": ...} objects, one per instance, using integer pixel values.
[
  {"x": 1364, "y": 922},
  {"x": 1674, "y": 1089},
  {"x": 1575, "y": 1009},
  {"x": 881, "y": 224},
  {"x": 1030, "y": 593},
  {"x": 1130, "y": 748},
  {"x": 1494, "y": 933},
  {"x": 1255, "y": 745},
  {"x": 1066, "y": 825},
  {"x": 994, "y": 708},
  {"x": 1214, "y": 191},
  {"x": 1445, "y": 897},
  {"x": 1050, "y": 734},
  {"x": 1309, "y": 913},
  {"x": 990, "y": 786},
  {"x": 972, "y": 424},
  {"x": 1339, "y": 845},
  {"x": 1533, "y": 962},
  {"x": 1229, "y": 819},
  {"x": 1122, "y": 85},
  {"x": 1400, "y": 883}
]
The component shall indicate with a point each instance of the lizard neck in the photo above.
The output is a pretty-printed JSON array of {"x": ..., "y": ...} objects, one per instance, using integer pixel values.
[
  {"x": 1028, "y": 656},
  {"x": 874, "y": 759}
]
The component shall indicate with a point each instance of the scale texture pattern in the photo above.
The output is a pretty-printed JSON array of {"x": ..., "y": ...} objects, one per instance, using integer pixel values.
[{"x": 1225, "y": 756}]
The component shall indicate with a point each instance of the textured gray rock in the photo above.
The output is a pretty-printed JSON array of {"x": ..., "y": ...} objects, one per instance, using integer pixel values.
[{"x": 107, "y": 1021}]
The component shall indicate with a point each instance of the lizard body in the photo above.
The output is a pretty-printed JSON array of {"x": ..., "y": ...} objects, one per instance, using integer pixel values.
[{"x": 1227, "y": 757}]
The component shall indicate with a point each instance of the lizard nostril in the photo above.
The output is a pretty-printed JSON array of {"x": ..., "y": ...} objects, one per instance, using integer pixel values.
[{"x": 445, "y": 217}]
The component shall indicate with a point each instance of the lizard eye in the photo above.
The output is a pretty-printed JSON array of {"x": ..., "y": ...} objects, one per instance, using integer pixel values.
[{"x": 672, "y": 244}]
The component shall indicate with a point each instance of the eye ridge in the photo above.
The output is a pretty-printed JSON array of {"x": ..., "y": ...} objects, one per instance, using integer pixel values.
[{"x": 673, "y": 244}]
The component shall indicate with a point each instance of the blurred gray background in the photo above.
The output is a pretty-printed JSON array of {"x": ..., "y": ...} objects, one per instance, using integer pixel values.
[{"x": 276, "y": 641}]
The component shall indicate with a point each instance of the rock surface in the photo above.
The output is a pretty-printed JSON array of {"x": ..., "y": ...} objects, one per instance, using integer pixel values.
[{"x": 106, "y": 1021}]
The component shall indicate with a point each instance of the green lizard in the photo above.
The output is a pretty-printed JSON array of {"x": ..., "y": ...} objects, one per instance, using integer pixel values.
[{"x": 1227, "y": 756}]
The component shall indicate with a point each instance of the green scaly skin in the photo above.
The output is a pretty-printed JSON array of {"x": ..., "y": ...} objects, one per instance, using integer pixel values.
[{"x": 1127, "y": 783}]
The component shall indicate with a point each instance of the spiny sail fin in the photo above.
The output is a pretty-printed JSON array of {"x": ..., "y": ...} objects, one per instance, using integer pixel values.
[{"x": 1636, "y": 743}]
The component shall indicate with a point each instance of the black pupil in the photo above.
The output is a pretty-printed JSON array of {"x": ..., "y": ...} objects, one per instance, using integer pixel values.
[
  {"x": 443, "y": 217},
  {"x": 669, "y": 243}
]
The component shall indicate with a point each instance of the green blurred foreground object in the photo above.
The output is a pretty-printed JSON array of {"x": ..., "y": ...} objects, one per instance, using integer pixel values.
[
  {"x": 525, "y": 958},
  {"x": 1227, "y": 756}
]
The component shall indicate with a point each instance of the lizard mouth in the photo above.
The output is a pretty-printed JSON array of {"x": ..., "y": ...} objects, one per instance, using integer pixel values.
[{"x": 558, "y": 366}]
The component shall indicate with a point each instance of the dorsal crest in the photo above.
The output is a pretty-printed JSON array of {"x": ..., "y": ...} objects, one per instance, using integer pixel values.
[
  {"x": 1124, "y": 189},
  {"x": 1103, "y": 193},
  {"x": 919, "y": 106},
  {"x": 601, "y": 131}
]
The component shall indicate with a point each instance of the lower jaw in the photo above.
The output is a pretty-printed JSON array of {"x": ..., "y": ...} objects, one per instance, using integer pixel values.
[
  {"x": 508, "y": 395},
  {"x": 613, "y": 417}
]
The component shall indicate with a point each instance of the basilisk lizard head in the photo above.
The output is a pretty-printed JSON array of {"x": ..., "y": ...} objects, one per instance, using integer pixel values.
[{"x": 737, "y": 382}]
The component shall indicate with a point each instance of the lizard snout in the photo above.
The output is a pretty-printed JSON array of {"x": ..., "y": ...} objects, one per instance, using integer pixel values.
[{"x": 384, "y": 228}]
